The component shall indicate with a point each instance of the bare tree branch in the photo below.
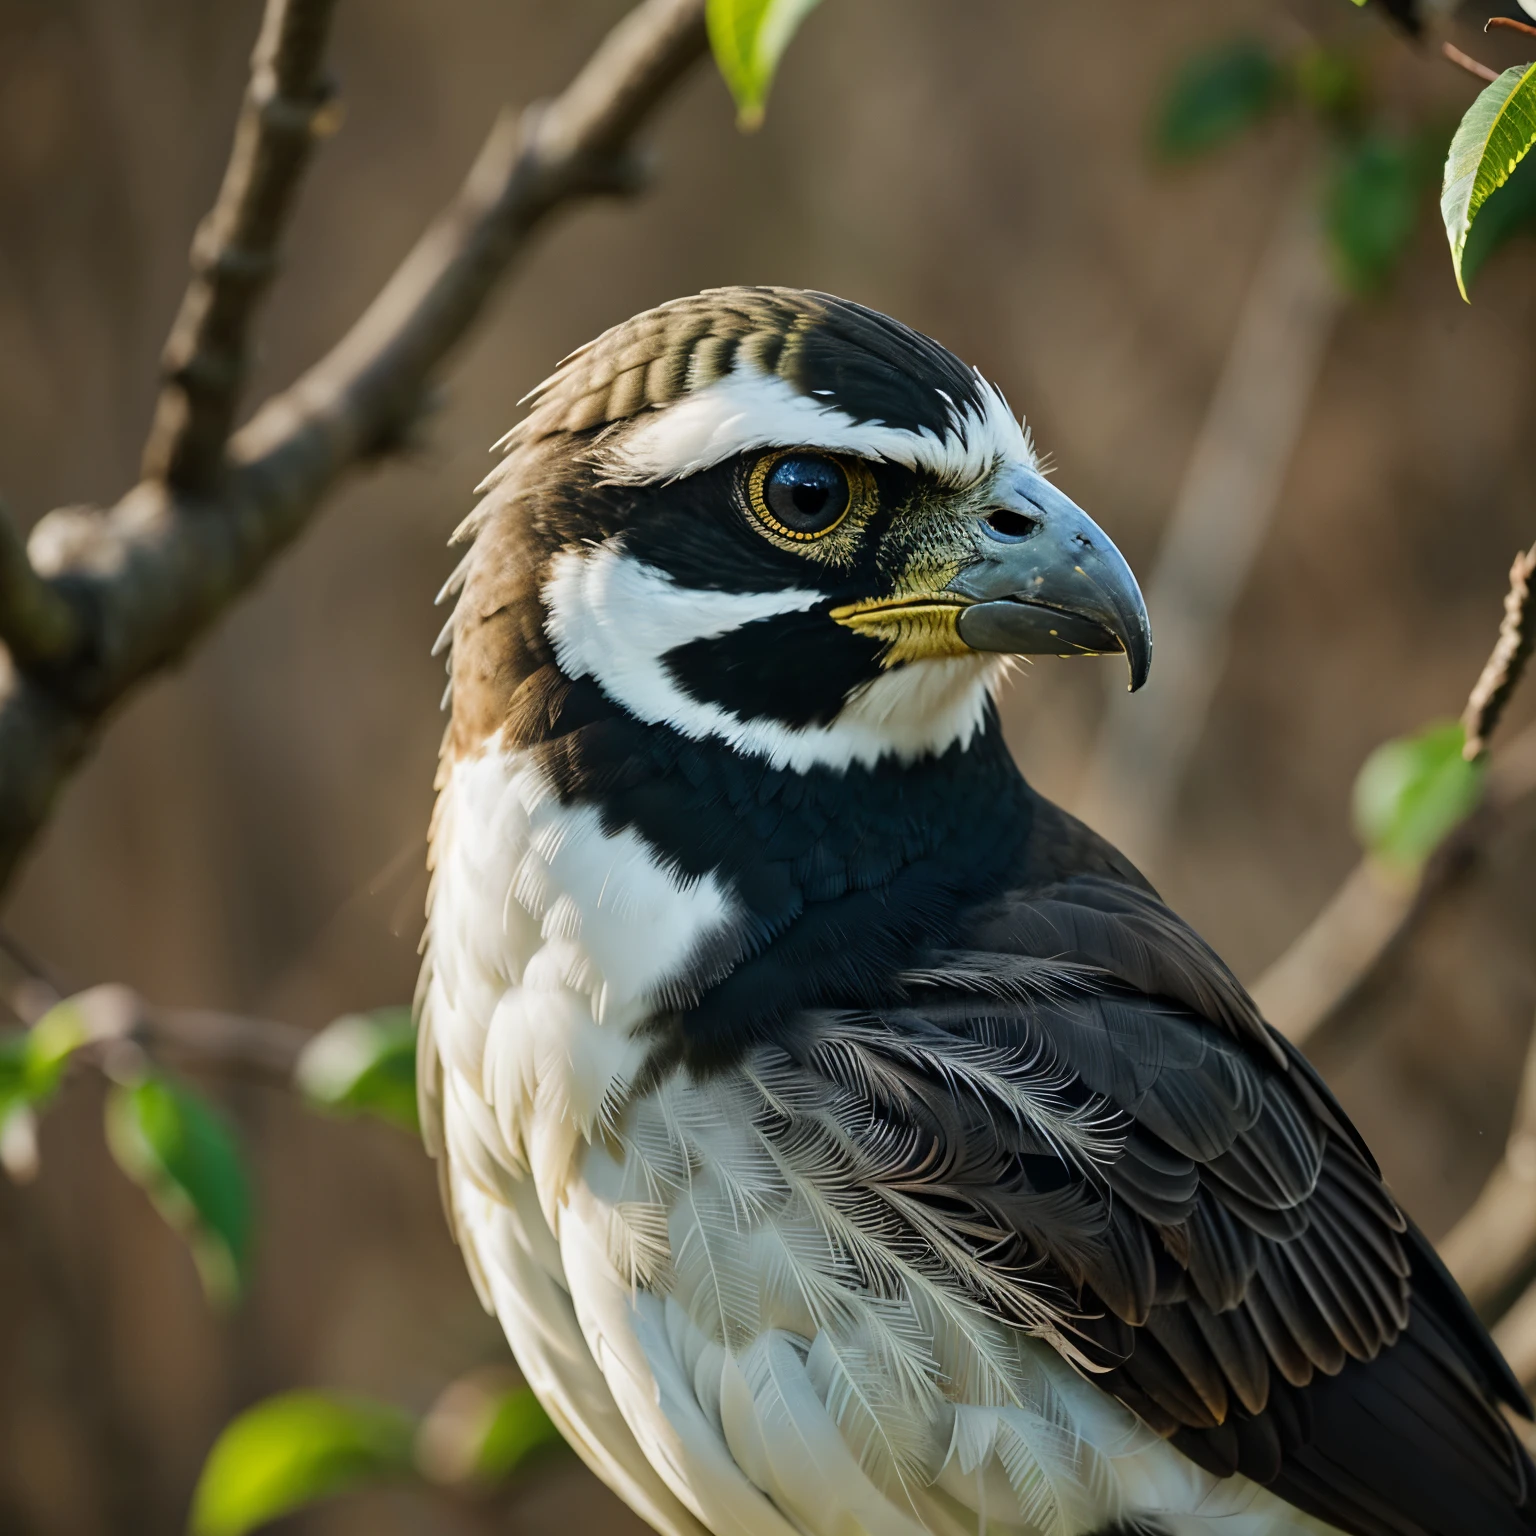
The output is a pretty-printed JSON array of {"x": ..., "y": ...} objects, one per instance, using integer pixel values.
[
  {"x": 1515, "y": 1334},
  {"x": 1511, "y": 652},
  {"x": 37, "y": 624},
  {"x": 1492, "y": 1249},
  {"x": 235, "y": 252},
  {"x": 158, "y": 568}
]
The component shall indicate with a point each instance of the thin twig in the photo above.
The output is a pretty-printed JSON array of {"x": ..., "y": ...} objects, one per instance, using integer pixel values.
[
  {"x": 235, "y": 252},
  {"x": 37, "y": 988},
  {"x": 1512, "y": 651},
  {"x": 1467, "y": 62},
  {"x": 1511, "y": 24},
  {"x": 37, "y": 624},
  {"x": 113, "y": 1016},
  {"x": 161, "y": 566}
]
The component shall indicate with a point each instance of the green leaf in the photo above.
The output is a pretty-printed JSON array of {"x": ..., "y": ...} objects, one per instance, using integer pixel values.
[
  {"x": 748, "y": 38},
  {"x": 1492, "y": 140},
  {"x": 482, "y": 1429},
  {"x": 518, "y": 1428},
  {"x": 1510, "y": 212},
  {"x": 290, "y": 1451},
  {"x": 1413, "y": 791},
  {"x": 1372, "y": 205},
  {"x": 364, "y": 1063},
  {"x": 13, "y": 1069},
  {"x": 33, "y": 1062},
  {"x": 184, "y": 1155},
  {"x": 1216, "y": 96},
  {"x": 50, "y": 1044}
]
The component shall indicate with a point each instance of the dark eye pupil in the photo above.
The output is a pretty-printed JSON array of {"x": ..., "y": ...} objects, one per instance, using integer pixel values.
[{"x": 806, "y": 493}]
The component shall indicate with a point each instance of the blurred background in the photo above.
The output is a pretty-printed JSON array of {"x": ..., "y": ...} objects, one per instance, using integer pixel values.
[{"x": 251, "y": 835}]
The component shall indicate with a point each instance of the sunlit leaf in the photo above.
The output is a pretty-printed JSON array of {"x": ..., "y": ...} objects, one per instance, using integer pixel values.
[
  {"x": 1508, "y": 213},
  {"x": 33, "y": 1061},
  {"x": 50, "y": 1044},
  {"x": 1413, "y": 791},
  {"x": 1372, "y": 206},
  {"x": 482, "y": 1429},
  {"x": 1500, "y": 126},
  {"x": 291, "y": 1450},
  {"x": 1215, "y": 96},
  {"x": 18, "y": 1123},
  {"x": 181, "y": 1151},
  {"x": 748, "y": 38},
  {"x": 364, "y": 1063}
]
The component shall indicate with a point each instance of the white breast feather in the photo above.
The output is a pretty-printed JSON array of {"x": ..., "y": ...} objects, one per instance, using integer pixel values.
[{"x": 690, "y": 1299}]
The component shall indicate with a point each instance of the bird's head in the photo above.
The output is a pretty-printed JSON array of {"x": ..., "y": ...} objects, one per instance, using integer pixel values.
[{"x": 784, "y": 520}]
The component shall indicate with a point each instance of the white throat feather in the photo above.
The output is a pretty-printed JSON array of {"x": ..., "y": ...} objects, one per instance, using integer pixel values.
[{"x": 613, "y": 618}]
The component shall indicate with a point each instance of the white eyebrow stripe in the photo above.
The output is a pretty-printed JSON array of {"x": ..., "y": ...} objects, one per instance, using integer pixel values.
[{"x": 751, "y": 409}]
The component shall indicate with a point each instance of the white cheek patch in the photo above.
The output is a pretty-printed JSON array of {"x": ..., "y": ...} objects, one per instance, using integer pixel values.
[
  {"x": 751, "y": 409},
  {"x": 613, "y": 618}
]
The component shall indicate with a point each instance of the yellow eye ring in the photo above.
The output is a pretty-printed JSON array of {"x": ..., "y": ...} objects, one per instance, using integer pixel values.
[{"x": 814, "y": 492}]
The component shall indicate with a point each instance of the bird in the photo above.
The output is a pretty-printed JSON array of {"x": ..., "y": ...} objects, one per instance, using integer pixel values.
[{"x": 850, "y": 1141}]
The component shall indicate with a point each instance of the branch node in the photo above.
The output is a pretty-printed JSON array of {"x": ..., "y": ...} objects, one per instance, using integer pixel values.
[{"x": 212, "y": 510}]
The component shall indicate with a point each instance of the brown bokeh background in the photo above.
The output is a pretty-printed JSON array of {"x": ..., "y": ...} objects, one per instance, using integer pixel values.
[{"x": 250, "y": 836}]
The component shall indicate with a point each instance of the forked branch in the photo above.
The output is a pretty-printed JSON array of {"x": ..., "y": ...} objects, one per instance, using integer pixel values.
[{"x": 149, "y": 576}]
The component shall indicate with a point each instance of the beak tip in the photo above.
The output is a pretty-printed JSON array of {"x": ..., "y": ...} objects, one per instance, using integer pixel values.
[{"x": 1137, "y": 643}]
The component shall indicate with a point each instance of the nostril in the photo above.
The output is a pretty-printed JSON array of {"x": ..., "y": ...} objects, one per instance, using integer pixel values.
[{"x": 1005, "y": 523}]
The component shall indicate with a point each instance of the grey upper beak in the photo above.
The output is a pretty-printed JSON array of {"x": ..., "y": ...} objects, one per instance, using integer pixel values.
[{"x": 1048, "y": 582}]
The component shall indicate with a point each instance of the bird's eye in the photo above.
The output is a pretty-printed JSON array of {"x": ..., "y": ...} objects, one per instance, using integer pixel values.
[{"x": 799, "y": 495}]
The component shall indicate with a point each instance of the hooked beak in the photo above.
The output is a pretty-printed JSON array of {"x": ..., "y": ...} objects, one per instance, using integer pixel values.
[{"x": 1047, "y": 581}]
